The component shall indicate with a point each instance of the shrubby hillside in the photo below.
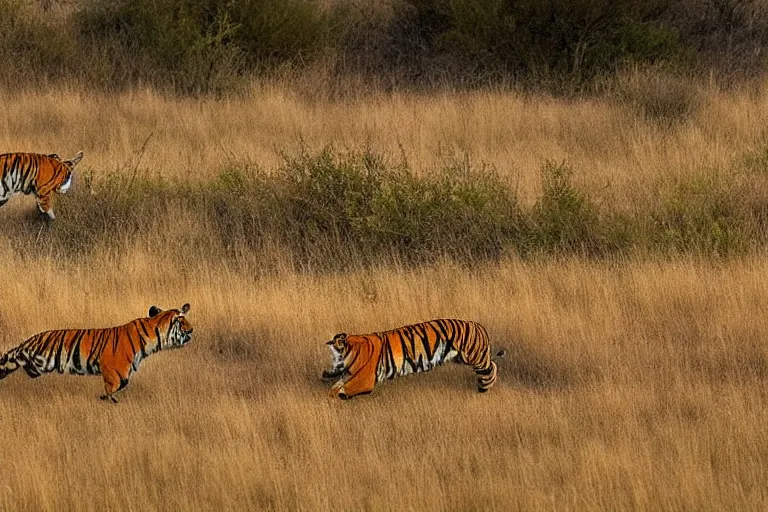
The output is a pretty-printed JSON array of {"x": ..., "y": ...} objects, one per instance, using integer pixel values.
[{"x": 194, "y": 46}]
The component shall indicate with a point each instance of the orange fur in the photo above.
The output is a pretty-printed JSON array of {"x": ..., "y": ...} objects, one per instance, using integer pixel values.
[
  {"x": 32, "y": 173},
  {"x": 362, "y": 360},
  {"x": 114, "y": 352}
]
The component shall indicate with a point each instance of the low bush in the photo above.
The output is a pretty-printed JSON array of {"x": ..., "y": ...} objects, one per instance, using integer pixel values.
[
  {"x": 332, "y": 210},
  {"x": 346, "y": 207},
  {"x": 657, "y": 94}
]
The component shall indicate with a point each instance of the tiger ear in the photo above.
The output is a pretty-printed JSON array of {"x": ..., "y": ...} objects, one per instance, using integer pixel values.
[
  {"x": 154, "y": 311},
  {"x": 75, "y": 159},
  {"x": 339, "y": 337},
  {"x": 184, "y": 309}
]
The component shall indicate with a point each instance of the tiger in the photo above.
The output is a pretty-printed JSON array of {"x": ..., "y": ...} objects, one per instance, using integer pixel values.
[
  {"x": 359, "y": 361},
  {"x": 114, "y": 353},
  {"x": 38, "y": 174}
]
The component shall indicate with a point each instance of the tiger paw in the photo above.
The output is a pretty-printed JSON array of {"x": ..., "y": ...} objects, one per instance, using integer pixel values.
[
  {"x": 338, "y": 391},
  {"x": 329, "y": 376}
]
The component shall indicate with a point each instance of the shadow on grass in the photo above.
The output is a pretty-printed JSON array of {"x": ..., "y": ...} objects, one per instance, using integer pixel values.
[
  {"x": 524, "y": 367},
  {"x": 238, "y": 347}
]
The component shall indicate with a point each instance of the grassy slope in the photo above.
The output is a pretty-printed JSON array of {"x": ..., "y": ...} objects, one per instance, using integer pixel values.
[
  {"x": 637, "y": 384},
  {"x": 617, "y": 154}
]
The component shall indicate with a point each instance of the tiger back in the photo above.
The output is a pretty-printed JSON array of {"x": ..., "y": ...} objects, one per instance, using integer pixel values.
[
  {"x": 114, "y": 353},
  {"x": 38, "y": 174},
  {"x": 360, "y": 361}
]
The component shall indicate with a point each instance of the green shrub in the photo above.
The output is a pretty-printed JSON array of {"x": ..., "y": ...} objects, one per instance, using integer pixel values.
[
  {"x": 277, "y": 32},
  {"x": 189, "y": 45},
  {"x": 701, "y": 216},
  {"x": 459, "y": 212},
  {"x": 331, "y": 210},
  {"x": 564, "y": 220},
  {"x": 34, "y": 48},
  {"x": 198, "y": 45},
  {"x": 658, "y": 94},
  {"x": 553, "y": 41},
  {"x": 356, "y": 205}
]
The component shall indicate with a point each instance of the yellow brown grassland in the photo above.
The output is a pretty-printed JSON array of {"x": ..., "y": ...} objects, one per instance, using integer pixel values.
[{"x": 632, "y": 381}]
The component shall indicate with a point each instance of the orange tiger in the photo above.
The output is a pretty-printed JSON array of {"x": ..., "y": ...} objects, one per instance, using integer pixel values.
[
  {"x": 359, "y": 361},
  {"x": 32, "y": 173},
  {"x": 115, "y": 352}
]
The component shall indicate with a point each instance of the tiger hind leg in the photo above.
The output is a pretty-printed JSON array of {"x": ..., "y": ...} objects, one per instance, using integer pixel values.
[{"x": 486, "y": 377}]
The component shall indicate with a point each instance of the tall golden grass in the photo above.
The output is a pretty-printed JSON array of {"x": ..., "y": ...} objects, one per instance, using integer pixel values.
[
  {"x": 637, "y": 383},
  {"x": 634, "y": 385},
  {"x": 618, "y": 154}
]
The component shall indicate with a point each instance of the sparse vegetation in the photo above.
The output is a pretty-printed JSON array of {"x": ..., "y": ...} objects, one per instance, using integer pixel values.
[
  {"x": 334, "y": 210},
  {"x": 637, "y": 383},
  {"x": 554, "y": 170}
]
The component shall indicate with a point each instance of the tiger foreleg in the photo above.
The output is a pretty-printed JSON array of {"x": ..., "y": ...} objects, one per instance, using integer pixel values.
[
  {"x": 357, "y": 385},
  {"x": 44, "y": 204},
  {"x": 338, "y": 390},
  {"x": 332, "y": 374},
  {"x": 112, "y": 384}
]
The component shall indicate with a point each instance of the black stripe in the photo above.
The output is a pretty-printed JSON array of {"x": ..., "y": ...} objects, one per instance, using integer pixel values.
[
  {"x": 57, "y": 357},
  {"x": 390, "y": 370},
  {"x": 97, "y": 347},
  {"x": 134, "y": 348},
  {"x": 115, "y": 338},
  {"x": 428, "y": 349},
  {"x": 75, "y": 352},
  {"x": 363, "y": 366},
  {"x": 403, "y": 349}
]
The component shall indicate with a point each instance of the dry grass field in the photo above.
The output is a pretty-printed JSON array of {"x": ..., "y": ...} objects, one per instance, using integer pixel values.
[
  {"x": 618, "y": 155},
  {"x": 634, "y": 383}
]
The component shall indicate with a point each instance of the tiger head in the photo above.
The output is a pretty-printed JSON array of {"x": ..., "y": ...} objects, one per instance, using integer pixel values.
[
  {"x": 339, "y": 349},
  {"x": 173, "y": 322},
  {"x": 60, "y": 172}
]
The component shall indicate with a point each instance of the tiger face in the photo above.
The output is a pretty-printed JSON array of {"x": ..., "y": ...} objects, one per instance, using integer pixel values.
[
  {"x": 62, "y": 172},
  {"x": 180, "y": 329},
  {"x": 64, "y": 187},
  {"x": 339, "y": 350}
]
